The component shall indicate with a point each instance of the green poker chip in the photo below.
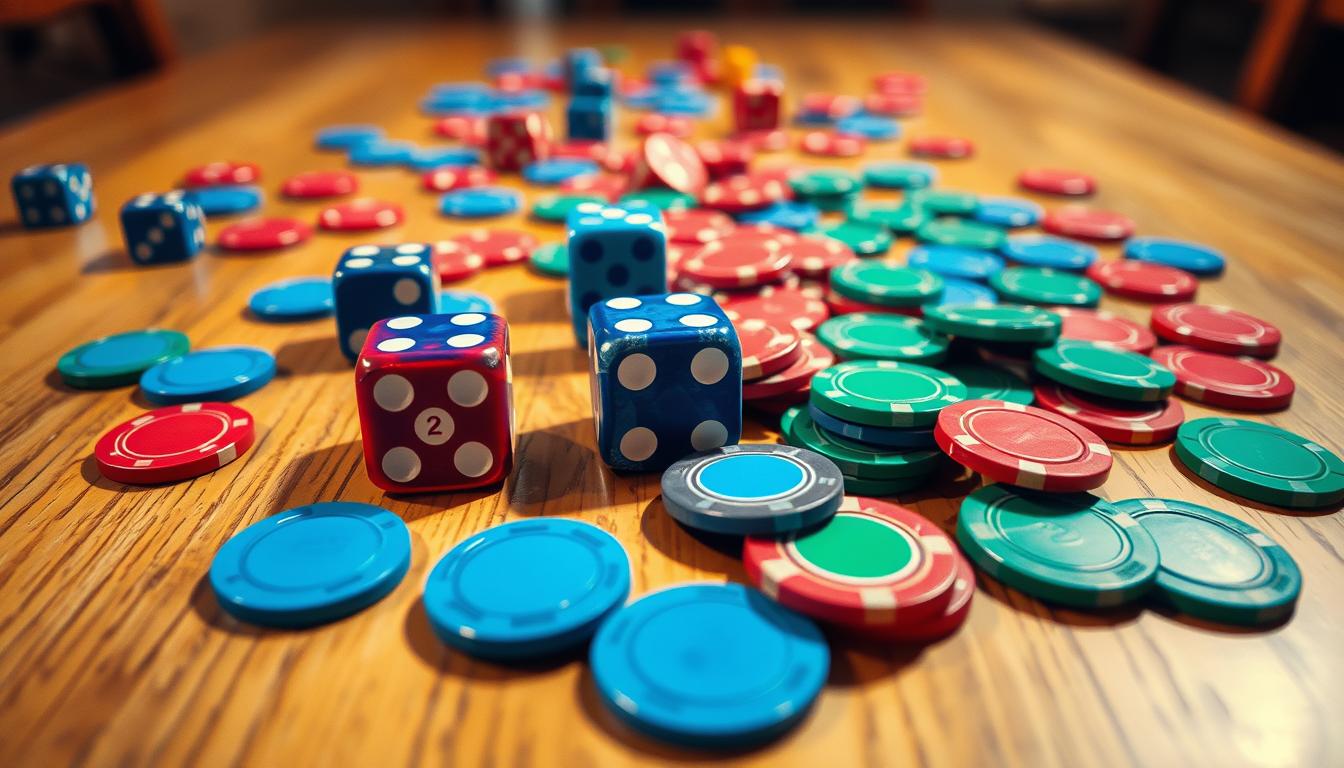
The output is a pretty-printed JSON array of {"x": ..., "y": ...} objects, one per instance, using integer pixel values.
[
  {"x": 882, "y": 337},
  {"x": 902, "y": 218},
  {"x": 994, "y": 322},
  {"x": 551, "y": 259},
  {"x": 1068, "y": 548},
  {"x": 945, "y": 202},
  {"x": 855, "y": 459},
  {"x": 662, "y": 199},
  {"x": 824, "y": 182},
  {"x": 991, "y": 382},
  {"x": 1104, "y": 370},
  {"x": 899, "y": 175},
  {"x": 118, "y": 360},
  {"x": 962, "y": 234},
  {"x": 857, "y": 486},
  {"x": 886, "y": 284},
  {"x": 1045, "y": 287},
  {"x": 1261, "y": 462},
  {"x": 832, "y": 203},
  {"x": 557, "y": 207},
  {"x": 1216, "y": 567},
  {"x": 865, "y": 239},
  {"x": 882, "y": 393}
]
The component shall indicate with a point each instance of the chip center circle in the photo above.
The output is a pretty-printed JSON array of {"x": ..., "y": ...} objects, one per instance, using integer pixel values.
[
  {"x": 1203, "y": 551},
  {"x": 191, "y": 431},
  {"x": 1026, "y": 436},
  {"x": 858, "y": 549},
  {"x": 536, "y": 587},
  {"x": 1257, "y": 451},
  {"x": 312, "y": 552},
  {"x": 753, "y": 476}
]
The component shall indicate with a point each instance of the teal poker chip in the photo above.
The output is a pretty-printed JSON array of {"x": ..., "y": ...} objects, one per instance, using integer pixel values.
[
  {"x": 991, "y": 382},
  {"x": 945, "y": 202},
  {"x": 858, "y": 486},
  {"x": 865, "y": 239},
  {"x": 1261, "y": 462},
  {"x": 884, "y": 393},
  {"x": 958, "y": 233},
  {"x": 299, "y": 298},
  {"x": 1068, "y": 548},
  {"x": 824, "y": 182},
  {"x": 1045, "y": 287},
  {"x": 900, "y": 218},
  {"x": 886, "y": 284},
  {"x": 856, "y": 459},
  {"x": 882, "y": 337},
  {"x": 899, "y": 175},
  {"x": 558, "y": 207},
  {"x": 662, "y": 199},
  {"x": 551, "y": 259},
  {"x": 120, "y": 359},
  {"x": 995, "y": 322},
  {"x": 1216, "y": 567},
  {"x": 1104, "y": 370},
  {"x": 214, "y": 374}
]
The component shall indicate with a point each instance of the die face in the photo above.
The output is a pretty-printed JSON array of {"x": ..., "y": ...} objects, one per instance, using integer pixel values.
[
  {"x": 516, "y": 139},
  {"x": 665, "y": 373},
  {"x": 54, "y": 195},
  {"x": 435, "y": 396},
  {"x": 613, "y": 251},
  {"x": 579, "y": 62},
  {"x": 162, "y": 228},
  {"x": 588, "y": 119},
  {"x": 593, "y": 83},
  {"x": 374, "y": 282}
]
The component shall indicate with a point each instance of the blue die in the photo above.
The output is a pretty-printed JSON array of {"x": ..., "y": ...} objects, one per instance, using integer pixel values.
[
  {"x": 160, "y": 229},
  {"x": 588, "y": 119},
  {"x": 613, "y": 251},
  {"x": 53, "y": 195},
  {"x": 666, "y": 378},
  {"x": 375, "y": 282}
]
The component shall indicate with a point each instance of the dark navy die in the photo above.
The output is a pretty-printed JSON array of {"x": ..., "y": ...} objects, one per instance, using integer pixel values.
[
  {"x": 613, "y": 251},
  {"x": 375, "y": 282},
  {"x": 588, "y": 119},
  {"x": 666, "y": 378},
  {"x": 160, "y": 229},
  {"x": 53, "y": 195}
]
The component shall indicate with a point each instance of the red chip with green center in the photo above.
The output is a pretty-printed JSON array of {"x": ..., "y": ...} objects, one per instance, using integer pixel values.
[
  {"x": 448, "y": 179},
  {"x": 1144, "y": 280},
  {"x": 261, "y": 234},
  {"x": 498, "y": 246},
  {"x": 830, "y": 144},
  {"x": 795, "y": 380},
  {"x": 1216, "y": 329},
  {"x": 1142, "y": 424},
  {"x": 1087, "y": 223},
  {"x": 1057, "y": 181},
  {"x": 785, "y": 307},
  {"x": 1101, "y": 327},
  {"x": 737, "y": 263},
  {"x": 455, "y": 261},
  {"x": 174, "y": 443},
  {"x": 696, "y": 225},
  {"x": 668, "y": 161},
  {"x": 1021, "y": 445},
  {"x": 312, "y": 184},
  {"x": 766, "y": 349},
  {"x": 874, "y": 564},
  {"x": 1243, "y": 383},
  {"x": 364, "y": 213},
  {"x": 815, "y": 256}
]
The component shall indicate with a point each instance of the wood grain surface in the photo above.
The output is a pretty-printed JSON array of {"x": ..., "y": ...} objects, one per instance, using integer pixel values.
[{"x": 114, "y": 652}]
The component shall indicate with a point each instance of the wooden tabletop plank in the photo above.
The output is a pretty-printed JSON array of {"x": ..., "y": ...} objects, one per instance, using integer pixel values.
[{"x": 113, "y": 650}]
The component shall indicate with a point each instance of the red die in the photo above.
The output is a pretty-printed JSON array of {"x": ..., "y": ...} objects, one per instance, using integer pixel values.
[
  {"x": 435, "y": 395},
  {"x": 756, "y": 105},
  {"x": 516, "y": 139}
]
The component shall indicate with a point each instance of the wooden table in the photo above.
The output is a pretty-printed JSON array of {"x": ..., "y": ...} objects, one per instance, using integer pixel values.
[{"x": 113, "y": 650}]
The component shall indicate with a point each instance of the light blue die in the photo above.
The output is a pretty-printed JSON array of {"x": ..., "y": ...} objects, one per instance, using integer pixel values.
[
  {"x": 56, "y": 195},
  {"x": 613, "y": 251},
  {"x": 161, "y": 229},
  {"x": 375, "y": 282}
]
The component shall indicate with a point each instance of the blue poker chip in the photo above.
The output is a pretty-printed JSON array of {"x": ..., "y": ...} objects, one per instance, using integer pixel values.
[
  {"x": 216, "y": 373},
  {"x": 813, "y": 118},
  {"x": 789, "y": 214},
  {"x": 958, "y": 292},
  {"x": 955, "y": 261},
  {"x": 503, "y": 65},
  {"x": 344, "y": 137},
  {"x": 429, "y": 158},
  {"x": 749, "y": 490},
  {"x": 716, "y": 666},
  {"x": 882, "y": 437},
  {"x": 528, "y": 589},
  {"x": 298, "y": 298},
  {"x": 226, "y": 199},
  {"x": 1182, "y": 254},
  {"x": 1009, "y": 212},
  {"x": 549, "y": 172},
  {"x": 683, "y": 101},
  {"x": 311, "y": 564},
  {"x": 502, "y": 101},
  {"x": 1049, "y": 251},
  {"x": 381, "y": 152},
  {"x": 871, "y": 127},
  {"x": 452, "y": 302},
  {"x": 765, "y": 71},
  {"x": 479, "y": 202}
]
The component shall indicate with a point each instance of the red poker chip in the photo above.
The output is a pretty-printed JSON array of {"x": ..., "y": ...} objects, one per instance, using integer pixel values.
[
  {"x": 1021, "y": 445},
  {"x": 797, "y": 378},
  {"x": 778, "y": 306},
  {"x": 668, "y": 161},
  {"x": 261, "y": 234},
  {"x": 835, "y": 106},
  {"x": 953, "y": 616},
  {"x": 1087, "y": 223},
  {"x": 763, "y": 233},
  {"x": 498, "y": 246},
  {"x": 1216, "y": 329},
  {"x": 602, "y": 185},
  {"x": 310, "y": 184},
  {"x": 465, "y": 128},
  {"x": 1143, "y": 280},
  {"x": 831, "y": 144},
  {"x": 174, "y": 443},
  {"x": 364, "y": 213},
  {"x": 815, "y": 256},
  {"x": 893, "y": 104},
  {"x": 655, "y": 122},
  {"x": 725, "y": 158},
  {"x": 1242, "y": 383},
  {"x": 843, "y": 305},
  {"x": 1147, "y": 424},
  {"x": 221, "y": 172},
  {"x": 764, "y": 140},
  {"x": 910, "y": 595},
  {"x": 766, "y": 349},
  {"x": 950, "y": 147},
  {"x": 899, "y": 82},
  {"x": 450, "y": 178},
  {"x": 745, "y": 192},
  {"x": 1057, "y": 181},
  {"x": 455, "y": 261},
  {"x": 1102, "y": 327},
  {"x": 737, "y": 262},
  {"x": 696, "y": 225}
]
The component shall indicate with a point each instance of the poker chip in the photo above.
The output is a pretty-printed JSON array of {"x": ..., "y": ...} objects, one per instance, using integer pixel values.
[
  {"x": 1216, "y": 329},
  {"x": 882, "y": 337},
  {"x": 1022, "y": 445},
  {"x": 855, "y": 459},
  {"x": 174, "y": 443},
  {"x": 883, "y": 393},
  {"x": 671, "y": 162},
  {"x": 479, "y": 202},
  {"x": 961, "y": 233},
  {"x": 741, "y": 264},
  {"x": 777, "y": 305},
  {"x": 216, "y": 373},
  {"x": 555, "y": 170},
  {"x": 654, "y": 122},
  {"x": 558, "y": 207},
  {"x": 1104, "y": 370},
  {"x": 752, "y": 489},
  {"x": 685, "y": 665},
  {"x": 945, "y": 202},
  {"x": 950, "y": 147},
  {"x": 1184, "y": 255},
  {"x": 381, "y": 153},
  {"x": 874, "y": 564},
  {"x": 869, "y": 127},
  {"x": 1101, "y": 327},
  {"x": 725, "y": 158},
  {"x": 816, "y": 256},
  {"x": 795, "y": 379},
  {"x": 119, "y": 359},
  {"x": 955, "y": 261},
  {"x": 551, "y": 259},
  {"x": 823, "y": 182},
  {"x": 312, "y": 564},
  {"x": 429, "y": 158},
  {"x": 1197, "y": 544},
  {"x": 466, "y": 128},
  {"x": 261, "y": 234},
  {"x": 997, "y": 322},
  {"x": 953, "y": 616},
  {"x": 298, "y": 298},
  {"x": 1051, "y": 252},
  {"x": 958, "y": 292},
  {"x": 843, "y": 305},
  {"x": 735, "y": 194},
  {"x": 457, "y": 302},
  {"x": 991, "y": 382},
  {"x": 225, "y": 199},
  {"x": 899, "y": 83},
  {"x": 877, "y": 282},
  {"x": 455, "y": 260},
  {"x": 453, "y": 178},
  {"x": 527, "y": 589},
  {"x": 775, "y": 140},
  {"x": 343, "y": 137},
  {"x": 221, "y": 172},
  {"x": 1075, "y": 550},
  {"x": 766, "y": 349},
  {"x": 887, "y": 437},
  {"x": 362, "y": 213},
  {"x": 319, "y": 184},
  {"x": 1045, "y": 287},
  {"x": 498, "y": 246},
  {"x": 1057, "y": 181},
  {"x": 1008, "y": 212},
  {"x": 605, "y": 185},
  {"x": 899, "y": 175},
  {"x": 786, "y": 214},
  {"x": 831, "y": 144},
  {"x": 893, "y": 104},
  {"x": 1144, "y": 281},
  {"x": 1241, "y": 383},
  {"x": 662, "y": 199},
  {"x": 1261, "y": 462},
  {"x": 696, "y": 225},
  {"x": 1088, "y": 223},
  {"x": 1127, "y": 424},
  {"x": 863, "y": 238}
]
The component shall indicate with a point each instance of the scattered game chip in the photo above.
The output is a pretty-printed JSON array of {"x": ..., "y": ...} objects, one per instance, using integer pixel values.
[
  {"x": 892, "y": 285},
  {"x": 1045, "y": 287},
  {"x": 558, "y": 207},
  {"x": 735, "y": 194},
  {"x": 893, "y": 104},
  {"x": 1010, "y": 212},
  {"x": 1101, "y": 327},
  {"x": 1105, "y": 371},
  {"x": 958, "y": 292},
  {"x": 260, "y": 234},
  {"x": 815, "y": 256},
  {"x": 221, "y": 173},
  {"x": 381, "y": 153},
  {"x": 742, "y": 263},
  {"x": 766, "y": 349},
  {"x": 991, "y": 382},
  {"x": 429, "y": 158},
  {"x": 1261, "y": 462},
  {"x": 117, "y": 360},
  {"x": 889, "y": 437},
  {"x": 955, "y": 261},
  {"x": 870, "y": 127},
  {"x": 776, "y": 140},
  {"x": 319, "y": 184},
  {"x": 831, "y": 144},
  {"x": 777, "y": 305},
  {"x": 226, "y": 199},
  {"x": 1057, "y": 181},
  {"x": 455, "y": 261},
  {"x": 671, "y": 162},
  {"x": 787, "y": 214},
  {"x": 555, "y": 170},
  {"x": 998, "y": 322},
  {"x": 216, "y": 373},
  {"x": 696, "y": 225},
  {"x": 175, "y": 443},
  {"x": 882, "y": 337},
  {"x": 885, "y": 393},
  {"x": 1127, "y": 424},
  {"x": 1240, "y": 383},
  {"x": 863, "y": 238},
  {"x": 654, "y": 122},
  {"x": 479, "y": 202},
  {"x": 449, "y": 179},
  {"x": 298, "y": 298},
  {"x": 465, "y": 128},
  {"x": 1144, "y": 281},
  {"x": 1022, "y": 445},
  {"x": 360, "y": 214},
  {"x": 1192, "y": 257},
  {"x": 455, "y": 302},
  {"x": 661, "y": 198},
  {"x": 551, "y": 259},
  {"x": 1049, "y": 251},
  {"x": 1216, "y": 329},
  {"x": 961, "y": 233},
  {"x": 797, "y": 378},
  {"x": 950, "y": 147},
  {"x": 498, "y": 246},
  {"x": 899, "y": 175},
  {"x": 725, "y": 157},
  {"x": 343, "y": 137},
  {"x": 1088, "y": 223}
]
